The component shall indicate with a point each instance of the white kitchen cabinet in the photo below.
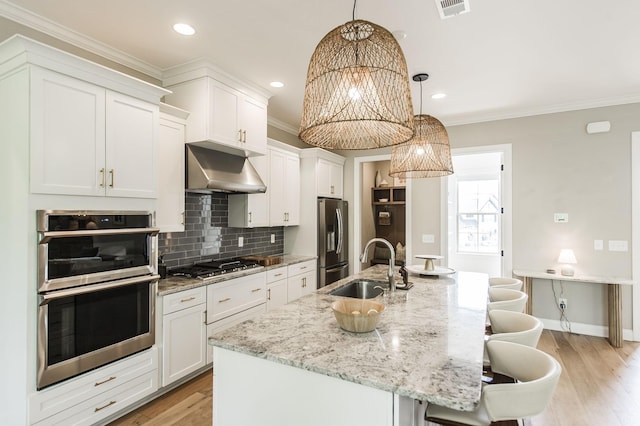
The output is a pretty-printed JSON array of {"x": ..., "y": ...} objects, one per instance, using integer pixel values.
[
  {"x": 301, "y": 279},
  {"x": 87, "y": 140},
  {"x": 234, "y": 119},
  {"x": 251, "y": 210},
  {"x": 233, "y": 301},
  {"x": 171, "y": 194},
  {"x": 284, "y": 188},
  {"x": 235, "y": 295},
  {"x": 93, "y": 396},
  {"x": 329, "y": 178},
  {"x": 184, "y": 346},
  {"x": 276, "y": 287}
]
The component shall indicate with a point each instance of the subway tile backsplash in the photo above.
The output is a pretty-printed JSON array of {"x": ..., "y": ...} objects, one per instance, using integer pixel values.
[{"x": 207, "y": 236}]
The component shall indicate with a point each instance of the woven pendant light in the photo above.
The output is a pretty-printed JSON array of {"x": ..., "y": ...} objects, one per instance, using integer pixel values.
[
  {"x": 357, "y": 91},
  {"x": 428, "y": 153}
]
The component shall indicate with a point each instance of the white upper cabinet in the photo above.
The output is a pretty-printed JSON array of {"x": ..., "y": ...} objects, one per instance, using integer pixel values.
[
  {"x": 87, "y": 140},
  {"x": 221, "y": 112},
  {"x": 329, "y": 178},
  {"x": 171, "y": 195},
  {"x": 284, "y": 188}
]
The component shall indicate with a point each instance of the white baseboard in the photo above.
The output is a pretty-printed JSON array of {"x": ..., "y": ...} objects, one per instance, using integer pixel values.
[{"x": 586, "y": 329}]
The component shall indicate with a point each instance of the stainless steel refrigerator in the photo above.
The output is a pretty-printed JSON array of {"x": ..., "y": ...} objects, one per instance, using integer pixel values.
[{"x": 333, "y": 246}]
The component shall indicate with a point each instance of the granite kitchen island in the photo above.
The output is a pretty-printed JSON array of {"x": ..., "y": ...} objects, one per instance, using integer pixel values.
[{"x": 295, "y": 366}]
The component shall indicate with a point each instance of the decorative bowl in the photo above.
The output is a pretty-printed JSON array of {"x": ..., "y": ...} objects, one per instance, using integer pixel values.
[
  {"x": 384, "y": 200},
  {"x": 357, "y": 315}
]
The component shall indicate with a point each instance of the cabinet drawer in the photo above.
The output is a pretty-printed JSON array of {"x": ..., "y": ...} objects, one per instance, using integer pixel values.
[
  {"x": 185, "y": 299},
  {"x": 236, "y": 295},
  {"x": 301, "y": 268},
  {"x": 277, "y": 274},
  {"x": 60, "y": 397},
  {"x": 91, "y": 411}
]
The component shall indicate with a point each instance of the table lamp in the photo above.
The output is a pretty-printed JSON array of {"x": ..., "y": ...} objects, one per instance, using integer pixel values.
[{"x": 567, "y": 258}]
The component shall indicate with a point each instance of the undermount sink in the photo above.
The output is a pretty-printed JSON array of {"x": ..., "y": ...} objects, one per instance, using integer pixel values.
[{"x": 361, "y": 289}]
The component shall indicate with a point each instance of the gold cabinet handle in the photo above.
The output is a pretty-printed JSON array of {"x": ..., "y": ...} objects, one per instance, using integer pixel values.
[
  {"x": 268, "y": 294},
  {"x": 188, "y": 299},
  {"x": 278, "y": 275},
  {"x": 112, "y": 174},
  {"x": 104, "y": 406},
  {"x": 250, "y": 217},
  {"x": 255, "y": 289},
  {"x": 105, "y": 381},
  {"x": 240, "y": 135},
  {"x": 304, "y": 282},
  {"x": 332, "y": 189},
  {"x": 182, "y": 215},
  {"x": 244, "y": 136},
  {"x": 224, "y": 300},
  {"x": 102, "y": 177}
]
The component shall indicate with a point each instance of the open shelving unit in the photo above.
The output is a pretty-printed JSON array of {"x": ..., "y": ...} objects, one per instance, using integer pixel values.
[{"x": 392, "y": 195}]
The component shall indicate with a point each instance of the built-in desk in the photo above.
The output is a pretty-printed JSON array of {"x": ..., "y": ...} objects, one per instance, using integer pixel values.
[{"x": 614, "y": 296}]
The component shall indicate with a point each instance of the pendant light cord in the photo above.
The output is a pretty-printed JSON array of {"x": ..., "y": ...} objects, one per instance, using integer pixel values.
[
  {"x": 353, "y": 14},
  {"x": 420, "y": 97}
]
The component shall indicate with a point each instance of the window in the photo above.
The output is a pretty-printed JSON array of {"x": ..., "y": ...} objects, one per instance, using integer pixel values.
[{"x": 477, "y": 216}]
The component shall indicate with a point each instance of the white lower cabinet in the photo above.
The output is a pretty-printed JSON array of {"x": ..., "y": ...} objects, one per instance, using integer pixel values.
[
  {"x": 234, "y": 301},
  {"x": 276, "y": 287},
  {"x": 184, "y": 346},
  {"x": 301, "y": 279},
  {"x": 94, "y": 396}
]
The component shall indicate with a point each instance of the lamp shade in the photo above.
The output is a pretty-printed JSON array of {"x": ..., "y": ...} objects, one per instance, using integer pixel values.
[
  {"x": 357, "y": 90},
  {"x": 567, "y": 256},
  {"x": 427, "y": 154}
]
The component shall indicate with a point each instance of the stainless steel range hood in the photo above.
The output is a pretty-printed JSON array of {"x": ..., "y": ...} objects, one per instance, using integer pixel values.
[{"x": 210, "y": 170}]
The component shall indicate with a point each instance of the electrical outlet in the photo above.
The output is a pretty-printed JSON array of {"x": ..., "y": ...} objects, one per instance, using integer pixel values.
[
  {"x": 273, "y": 238},
  {"x": 240, "y": 241},
  {"x": 562, "y": 302}
]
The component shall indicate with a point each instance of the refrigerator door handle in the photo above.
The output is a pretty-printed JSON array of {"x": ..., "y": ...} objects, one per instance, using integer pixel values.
[
  {"x": 339, "y": 268},
  {"x": 340, "y": 233}
]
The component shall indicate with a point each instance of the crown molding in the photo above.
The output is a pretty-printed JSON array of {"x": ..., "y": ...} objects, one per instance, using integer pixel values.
[
  {"x": 53, "y": 29},
  {"x": 279, "y": 124}
]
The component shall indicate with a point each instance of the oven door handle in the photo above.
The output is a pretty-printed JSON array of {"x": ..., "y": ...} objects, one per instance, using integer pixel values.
[
  {"x": 49, "y": 235},
  {"x": 47, "y": 297}
]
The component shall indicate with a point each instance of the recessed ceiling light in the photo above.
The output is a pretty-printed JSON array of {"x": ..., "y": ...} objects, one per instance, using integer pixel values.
[
  {"x": 184, "y": 29},
  {"x": 276, "y": 84},
  {"x": 438, "y": 95}
]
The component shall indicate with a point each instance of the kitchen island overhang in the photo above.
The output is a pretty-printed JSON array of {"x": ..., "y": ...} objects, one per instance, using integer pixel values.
[{"x": 428, "y": 346}]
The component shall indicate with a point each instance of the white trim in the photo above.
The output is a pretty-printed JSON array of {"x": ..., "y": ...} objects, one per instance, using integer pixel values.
[
  {"x": 635, "y": 233},
  {"x": 285, "y": 127},
  {"x": 507, "y": 204},
  {"x": 357, "y": 209},
  {"x": 585, "y": 329}
]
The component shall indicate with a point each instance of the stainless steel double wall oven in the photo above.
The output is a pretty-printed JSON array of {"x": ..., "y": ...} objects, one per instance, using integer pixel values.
[{"x": 96, "y": 289}]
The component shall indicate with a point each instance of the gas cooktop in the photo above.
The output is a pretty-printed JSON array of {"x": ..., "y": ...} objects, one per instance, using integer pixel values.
[{"x": 214, "y": 268}]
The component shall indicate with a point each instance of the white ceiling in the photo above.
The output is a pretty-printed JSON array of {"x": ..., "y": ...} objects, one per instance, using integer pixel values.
[{"x": 503, "y": 59}]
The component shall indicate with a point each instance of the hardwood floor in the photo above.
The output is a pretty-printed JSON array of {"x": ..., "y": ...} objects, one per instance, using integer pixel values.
[{"x": 600, "y": 385}]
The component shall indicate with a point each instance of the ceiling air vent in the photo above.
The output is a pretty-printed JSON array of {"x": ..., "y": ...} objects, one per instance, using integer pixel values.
[{"x": 449, "y": 8}]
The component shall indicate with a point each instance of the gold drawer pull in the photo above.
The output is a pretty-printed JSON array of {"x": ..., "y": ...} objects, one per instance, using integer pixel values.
[
  {"x": 105, "y": 381},
  {"x": 102, "y": 177},
  {"x": 188, "y": 299},
  {"x": 277, "y": 275},
  {"x": 255, "y": 289},
  {"x": 104, "y": 406},
  {"x": 224, "y": 300}
]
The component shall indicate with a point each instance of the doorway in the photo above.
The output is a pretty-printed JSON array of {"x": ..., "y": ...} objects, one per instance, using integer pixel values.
[
  {"x": 364, "y": 226},
  {"x": 477, "y": 210}
]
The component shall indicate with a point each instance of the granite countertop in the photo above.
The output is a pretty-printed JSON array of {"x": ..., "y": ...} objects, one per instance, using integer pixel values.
[
  {"x": 428, "y": 345},
  {"x": 175, "y": 284}
]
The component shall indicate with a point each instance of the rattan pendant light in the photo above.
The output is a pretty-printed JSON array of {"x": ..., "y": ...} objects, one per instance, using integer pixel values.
[
  {"x": 357, "y": 91},
  {"x": 428, "y": 153}
]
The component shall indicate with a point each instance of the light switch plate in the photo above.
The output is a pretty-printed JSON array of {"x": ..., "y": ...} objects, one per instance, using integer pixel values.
[
  {"x": 273, "y": 238},
  {"x": 428, "y": 238},
  {"x": 618, "y": 245},
  {"x": 598, "y": 245},
  {"x": 240, "y": 241},
  {"x": 561, "y": 217}
]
